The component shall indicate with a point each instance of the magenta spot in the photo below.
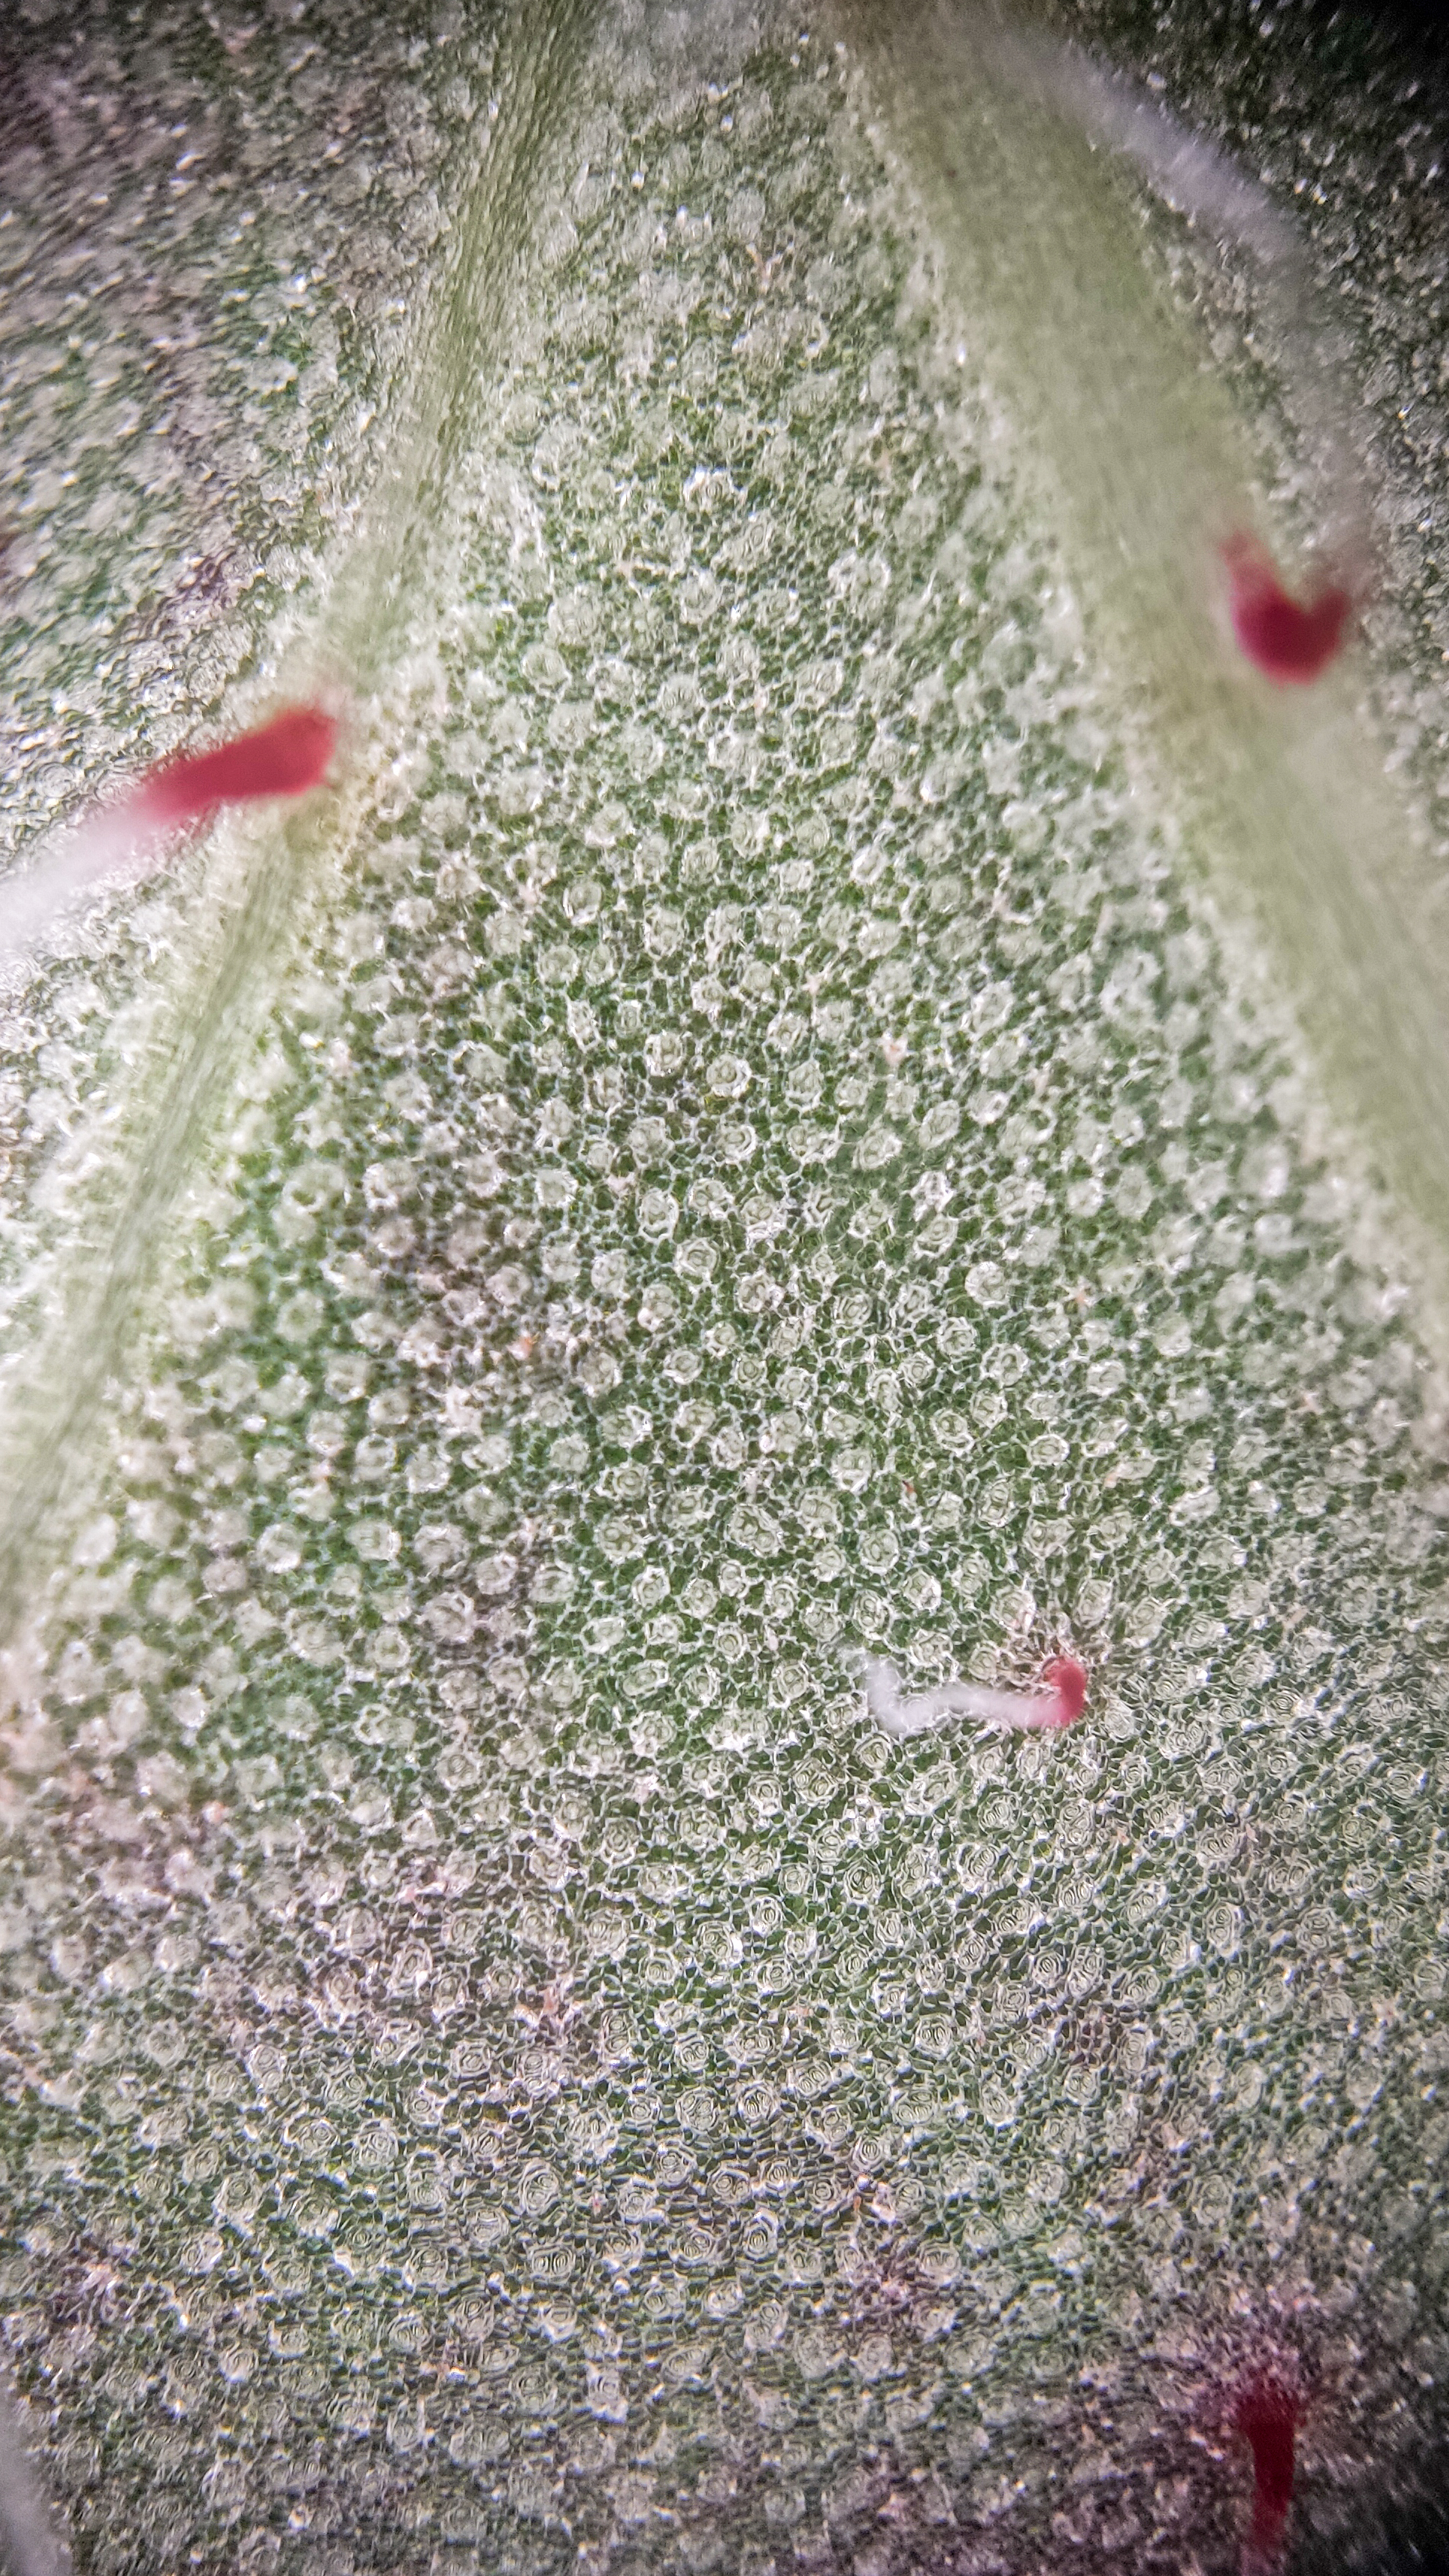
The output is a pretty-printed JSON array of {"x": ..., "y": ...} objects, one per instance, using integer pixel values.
[
  {"x": 1287, "y": 641},
  {"x": 1068, "y": 1680},
  {"x": 283, "y": 758}
]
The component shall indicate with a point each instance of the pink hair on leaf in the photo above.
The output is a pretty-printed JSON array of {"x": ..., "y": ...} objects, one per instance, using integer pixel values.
[
  {"x": 1289, "y": 641},
  {"x": 1268, "y": 2414},
  {"x": 284, "y": 758},
  {"x": 1048, "y": 1711}
]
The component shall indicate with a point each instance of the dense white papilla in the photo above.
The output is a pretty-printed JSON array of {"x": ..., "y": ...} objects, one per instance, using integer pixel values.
[
  {"x": 29, "y": 2543},
  {"x": 1196, "y": 178},
  {"x": 112, "y": 842},
  {"x": 1189, "y": 173}
]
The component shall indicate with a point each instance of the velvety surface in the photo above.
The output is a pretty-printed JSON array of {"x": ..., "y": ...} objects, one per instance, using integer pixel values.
[{"x": 761, "y": 1121}]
